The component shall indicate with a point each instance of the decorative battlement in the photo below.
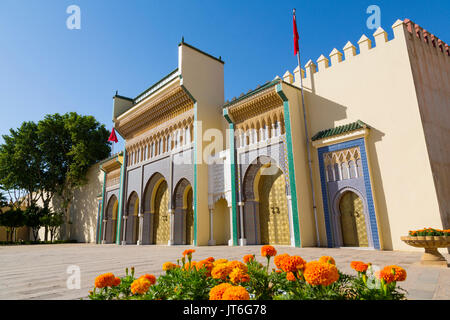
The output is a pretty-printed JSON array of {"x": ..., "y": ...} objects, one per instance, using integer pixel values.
[
  {"x": 365, "y": 45},
  {"x": 426, "y": 37}
]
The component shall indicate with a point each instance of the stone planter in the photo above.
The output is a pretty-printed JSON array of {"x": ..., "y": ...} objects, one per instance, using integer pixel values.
[{"x": 430, "y": 244}]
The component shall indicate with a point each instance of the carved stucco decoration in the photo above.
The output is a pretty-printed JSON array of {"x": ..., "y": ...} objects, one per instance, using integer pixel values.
[{"x": 155, "y": 111}]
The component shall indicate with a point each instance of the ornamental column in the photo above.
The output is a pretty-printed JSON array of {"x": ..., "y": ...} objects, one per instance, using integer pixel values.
[
  {"x": 230, "y": 214},
  {"x": 104, "y": 231},
  {"x": 141, "y": 228},
  {"x": 291, "y": 220},
  {"x": 242, "y": 240},
  {"x": 172, "y": 226},
  {"x": 124, "y": 230},
  {"x": 211, "y": 241}
]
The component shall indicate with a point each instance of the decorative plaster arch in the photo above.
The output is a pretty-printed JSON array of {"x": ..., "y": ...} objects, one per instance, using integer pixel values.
[
  {"x": 336, "y": 214},
  {"x": 253, "y": 175},
  {"x": 182, "y": 188},
  {"x": 150, "y": 190}
]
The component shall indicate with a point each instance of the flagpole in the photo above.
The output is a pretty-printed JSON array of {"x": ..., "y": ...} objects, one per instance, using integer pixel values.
[{"x": 307, "y": 143}]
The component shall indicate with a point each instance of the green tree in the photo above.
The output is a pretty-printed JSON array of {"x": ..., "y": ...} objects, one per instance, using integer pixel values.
[
  {"x": 70, "y": 145},
  {"x": 51, "y": 158},
  {"x": 12, "y": 219},
  {"x": 21, "y": 165},
  {"x": 3, "y": 201},
  {"x": 52, "y": 220},
  {"x": 33, "y": 218}
]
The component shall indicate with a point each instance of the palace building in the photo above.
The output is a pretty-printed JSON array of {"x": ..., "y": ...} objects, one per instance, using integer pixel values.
[{"x": 366, "y": 160}]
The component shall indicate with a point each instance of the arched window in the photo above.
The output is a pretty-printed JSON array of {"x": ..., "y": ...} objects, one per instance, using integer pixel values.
[
  {"x": 331, "y": 175},
  {"x": 337, "y": 172},
  {"x": 187, "y": 135},
  {"x": 352, "y": 169},
  {"x": 359, "y": 168},
  {"x": 345, "y": 171}
]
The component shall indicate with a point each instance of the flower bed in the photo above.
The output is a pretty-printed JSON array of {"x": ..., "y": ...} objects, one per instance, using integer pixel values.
[
  {"x": 292, "y": 279},
  {"x": 429, "y": 232}
]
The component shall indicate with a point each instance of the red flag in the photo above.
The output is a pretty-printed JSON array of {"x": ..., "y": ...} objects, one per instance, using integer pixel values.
[
  {"x": 296, "y": 37},
  {"x": 113, "y": 136}
]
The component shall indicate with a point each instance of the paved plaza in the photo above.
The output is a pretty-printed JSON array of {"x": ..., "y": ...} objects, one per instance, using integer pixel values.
[{"x": 40, "y": 271}]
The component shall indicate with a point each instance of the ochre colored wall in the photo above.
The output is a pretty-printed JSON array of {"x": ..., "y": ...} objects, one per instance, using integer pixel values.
[
  {"x": 302, "y": 178},
  {"x": 203, "y": 78},
  {"x": 221, "y": 222},
  {"x": 431, "y": 73},
  {"x": 377, "y": 87},
  {"x": 83, "y": 210},
  {"x": 22, "y": 233}
]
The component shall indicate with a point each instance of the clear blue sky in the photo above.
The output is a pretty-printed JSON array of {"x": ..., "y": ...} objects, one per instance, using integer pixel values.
[{"x": 128, "y": 45}]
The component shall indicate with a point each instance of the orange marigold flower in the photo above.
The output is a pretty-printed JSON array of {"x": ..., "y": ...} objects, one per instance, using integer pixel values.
[
  {"x": 268, "y": 251},
  {"x": 319, "y": 273},
  {"x": 237, "y": 264},
  {"x": 169, "y": 266},
  {"x": 220, "y": 261},
  {"x": 151, "y": 278},
  {"x": 236, "y": 293},
  {"x": 293, "y": 264},
  {"x": 186, "y": 265},
  {"x": 290, "y": 276},
  {"x": 327, "y": 259},
  {"x": 393, "y": 273},
  {"x": 188, "y": 252},
  {"x": 221, "y": 271},
  {"x": 217, "y": 292},
  {"x": 249, "y": 257},
  {"x": 238, "y": 276},
  {"x": 387, "y": 276},
  {"x": 359, "y": 266},
  {"x": 105, "y": 280},
  {"x": 116, "y": 281},
  {"x": 205, "y": 264},
  {"x": 210, "y": 259},
  {"x": 140, "y": 286},
  {"x": 278, "y": 260}
]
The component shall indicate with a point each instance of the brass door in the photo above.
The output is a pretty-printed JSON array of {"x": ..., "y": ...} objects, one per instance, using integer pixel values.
[
  {"x": 273, "y": 209},
  {"x": 353, "y": 223},
  {"x": 114, "y": 229},
  {"x": 161, "y": 219},
  {"x": 189, "y": 218}
]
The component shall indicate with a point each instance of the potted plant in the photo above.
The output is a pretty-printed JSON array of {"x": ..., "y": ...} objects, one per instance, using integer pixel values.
[{"x": 430, "y": 239}]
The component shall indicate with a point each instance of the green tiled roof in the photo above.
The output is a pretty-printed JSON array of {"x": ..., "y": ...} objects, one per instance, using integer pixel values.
[
  {"x": 339, "y": 130},
  {"x": 154, "y": 85},
  {"x": 250, "y": 93}
]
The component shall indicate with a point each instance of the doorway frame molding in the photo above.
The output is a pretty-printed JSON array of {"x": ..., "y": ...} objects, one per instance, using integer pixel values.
[
  {"x": 359, "y": 142},
  {"x": 336, "y": 216}
]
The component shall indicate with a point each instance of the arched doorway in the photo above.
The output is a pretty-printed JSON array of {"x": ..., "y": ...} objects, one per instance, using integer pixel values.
[
  {"x": 184, "y": 213},
  {"x": 189, "y": 217},
  {"x": 111, "y": 217},
  {"x": 161, "y": 218},
  {"x": 352, "y": 219},
  {"x": 273, "y": 207},
  {"x": 221, "y": 222},
  {"x": 132, "y": 226},
  {"x": 265, "y": 214}
]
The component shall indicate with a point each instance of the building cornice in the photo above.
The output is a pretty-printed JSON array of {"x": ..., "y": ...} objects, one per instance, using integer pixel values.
[
  {"x": 347, "y": 136},
  {"x": 254, "y": 105},
  {"x": 154, "y": 111}
]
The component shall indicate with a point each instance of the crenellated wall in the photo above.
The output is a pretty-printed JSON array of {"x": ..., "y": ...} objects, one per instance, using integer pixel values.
[
  {"x": 430, "y": 64},
  {"x": 385, "y": 84}
]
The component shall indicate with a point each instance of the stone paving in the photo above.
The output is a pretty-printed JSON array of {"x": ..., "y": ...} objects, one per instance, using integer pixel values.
[{"x": 40, "y": 271}]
